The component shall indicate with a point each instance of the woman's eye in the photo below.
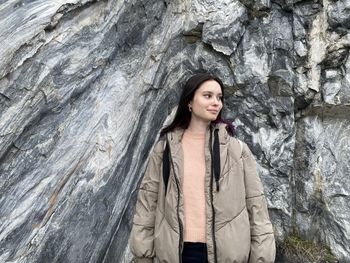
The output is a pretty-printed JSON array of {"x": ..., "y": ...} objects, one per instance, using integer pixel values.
[
  {"x": 207, "y": 95},
  {"x": 220, "y": 98}
]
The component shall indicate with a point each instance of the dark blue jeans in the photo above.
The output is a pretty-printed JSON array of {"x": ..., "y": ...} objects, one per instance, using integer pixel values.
[{"x": 194, "y": 253}]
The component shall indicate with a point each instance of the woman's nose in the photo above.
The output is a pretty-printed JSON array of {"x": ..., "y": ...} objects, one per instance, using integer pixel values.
[{"x": 216, "y": 101}]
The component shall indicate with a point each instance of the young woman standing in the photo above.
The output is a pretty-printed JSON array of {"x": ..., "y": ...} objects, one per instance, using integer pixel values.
[{"x": 211, "y": 206}]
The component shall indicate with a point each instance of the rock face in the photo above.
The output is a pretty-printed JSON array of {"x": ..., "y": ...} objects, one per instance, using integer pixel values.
[{"x": 86, "y": 85}]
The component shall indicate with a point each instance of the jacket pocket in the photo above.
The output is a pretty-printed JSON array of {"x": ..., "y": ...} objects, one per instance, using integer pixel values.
[
  {"x": 166, "y": 242},
  {"x": 233, "y": 239}
]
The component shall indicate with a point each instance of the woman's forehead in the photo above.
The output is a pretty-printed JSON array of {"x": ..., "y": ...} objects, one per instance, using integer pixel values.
[{"x": 211, "y": 86}]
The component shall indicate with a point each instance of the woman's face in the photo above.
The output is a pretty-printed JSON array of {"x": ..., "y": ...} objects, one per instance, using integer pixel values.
[{"x": 206, "y": 103}]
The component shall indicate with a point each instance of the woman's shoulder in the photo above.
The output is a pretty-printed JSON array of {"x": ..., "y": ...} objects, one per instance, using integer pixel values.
[
  {"x": 239, "y": 147},
  {"x": 159, "y": 145}
]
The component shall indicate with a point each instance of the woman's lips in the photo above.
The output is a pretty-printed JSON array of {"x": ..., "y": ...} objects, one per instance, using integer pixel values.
[{"x": 213, "y": 111}]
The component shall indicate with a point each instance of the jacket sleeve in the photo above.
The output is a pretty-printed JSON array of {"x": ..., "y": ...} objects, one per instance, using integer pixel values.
[
  {"x": 263, "y": 248},
  {"x": 142, "y": 232}
]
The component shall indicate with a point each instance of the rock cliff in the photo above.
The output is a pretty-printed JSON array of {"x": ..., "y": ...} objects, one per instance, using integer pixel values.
[{"x": 85, "y": 86}]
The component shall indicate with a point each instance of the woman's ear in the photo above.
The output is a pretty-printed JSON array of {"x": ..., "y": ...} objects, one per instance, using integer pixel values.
[{"x": 189, "y": 107}]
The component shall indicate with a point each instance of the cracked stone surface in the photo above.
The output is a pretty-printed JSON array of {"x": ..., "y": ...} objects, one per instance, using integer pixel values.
[{"x": 86, "y": 85}]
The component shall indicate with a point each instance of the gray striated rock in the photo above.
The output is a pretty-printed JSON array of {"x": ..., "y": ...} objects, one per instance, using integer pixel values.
[
  {"x": 336, "y": 86},
  {"x": 339, "y": 13},
  {"x": 66, "y": 147},
  {"x": 321, "y": 182},
  {"x": 24, "y": 26},
  {"x": 222, "y": 24},
  {"x": 86, "y": 85}
]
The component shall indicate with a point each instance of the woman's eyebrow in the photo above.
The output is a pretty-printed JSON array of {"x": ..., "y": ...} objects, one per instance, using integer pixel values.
[{"x": 207, "y": 91}]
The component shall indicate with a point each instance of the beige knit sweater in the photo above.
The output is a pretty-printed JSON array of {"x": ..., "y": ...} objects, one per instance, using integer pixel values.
[{"x": 193, "y": 186}]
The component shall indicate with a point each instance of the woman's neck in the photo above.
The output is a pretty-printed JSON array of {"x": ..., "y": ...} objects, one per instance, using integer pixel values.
[{"x": 198, "y": 126}]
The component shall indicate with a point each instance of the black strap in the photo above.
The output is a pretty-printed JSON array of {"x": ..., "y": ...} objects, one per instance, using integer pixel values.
[
  {"x": 166, "y": 166},
  {"x": 216, "y": 158}
]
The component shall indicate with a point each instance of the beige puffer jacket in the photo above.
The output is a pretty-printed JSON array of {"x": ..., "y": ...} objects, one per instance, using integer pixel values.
[{"x": 238, "y": 225}]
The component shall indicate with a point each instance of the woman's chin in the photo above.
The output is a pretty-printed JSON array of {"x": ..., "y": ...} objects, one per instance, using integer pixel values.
[{"x": 212, "y": 119}]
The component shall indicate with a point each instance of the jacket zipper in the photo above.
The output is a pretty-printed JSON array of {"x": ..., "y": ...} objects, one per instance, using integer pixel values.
[
  {"x": 211, "y": 196},
  {"x": 178, "y": 205}
]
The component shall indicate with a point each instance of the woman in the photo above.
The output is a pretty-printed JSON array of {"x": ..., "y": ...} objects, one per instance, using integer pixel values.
[{"x": 211, "y": 206}]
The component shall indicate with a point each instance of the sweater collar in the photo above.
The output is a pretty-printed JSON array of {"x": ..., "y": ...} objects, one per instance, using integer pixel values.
[{"x": 175, "y": 136}]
